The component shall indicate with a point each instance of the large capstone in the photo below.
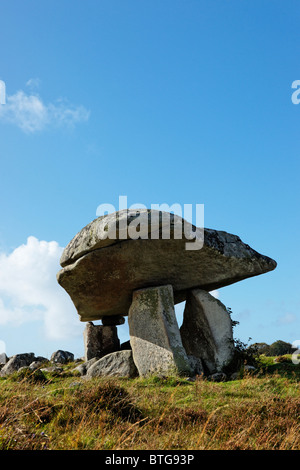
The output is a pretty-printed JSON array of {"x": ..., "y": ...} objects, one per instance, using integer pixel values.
[{"x": 119, "y": 253}]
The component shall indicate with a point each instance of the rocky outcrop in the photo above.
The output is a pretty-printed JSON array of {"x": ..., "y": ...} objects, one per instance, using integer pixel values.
[
  {"x": 18, "y": 361},
  {"x": 32, "y": 362}
]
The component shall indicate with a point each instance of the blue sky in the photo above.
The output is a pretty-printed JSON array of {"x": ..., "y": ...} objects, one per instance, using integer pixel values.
[{"x": 174, "y": 101}]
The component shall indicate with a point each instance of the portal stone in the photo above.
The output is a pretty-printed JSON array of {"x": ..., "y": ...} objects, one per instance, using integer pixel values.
[
  {"x": 206, "y": 330},
  {"x": 154, "y": 334},
  {"x": 100, "y": 340}
]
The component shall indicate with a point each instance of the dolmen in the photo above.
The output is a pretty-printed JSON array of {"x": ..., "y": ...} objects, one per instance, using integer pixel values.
[{"x": 140, "y": 263}]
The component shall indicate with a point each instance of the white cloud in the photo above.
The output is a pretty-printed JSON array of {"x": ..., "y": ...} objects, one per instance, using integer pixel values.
[
  {"x": 33, "y": 83},
  {"x": 29, "y": 290},
  {"x": 286, "y": 319},
  {"x": 31, "y": 114}
]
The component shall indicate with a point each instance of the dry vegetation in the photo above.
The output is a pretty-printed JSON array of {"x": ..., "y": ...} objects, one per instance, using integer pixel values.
[{"x": 256, "y": 412}]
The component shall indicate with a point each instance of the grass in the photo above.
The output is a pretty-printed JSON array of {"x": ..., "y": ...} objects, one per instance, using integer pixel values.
[{"x": 260, "y": 411}]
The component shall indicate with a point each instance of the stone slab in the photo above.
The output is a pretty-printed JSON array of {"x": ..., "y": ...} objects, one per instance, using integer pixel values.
[
  {"x": 100, "y": 340},
  {"x": 100, "y": 274},
  {"x": 206, "y": 330},
  {"x": 154, "y": 334}
]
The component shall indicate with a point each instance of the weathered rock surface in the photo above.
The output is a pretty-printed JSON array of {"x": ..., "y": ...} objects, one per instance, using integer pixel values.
[
  {"x": 101, "y": 273},
  {"x": 123, "y": 225},
  {"x": 16, "y": 362},
  {"x": 100, "y": 340},
  {"x": 206, "y": 330},
  {"x": 83, "y": 367},
  {"x": 62, "y": 357},
  {"x": 3, "y": 358},
  {"x": 196, "y": 365},
  {"x": 116, "y": 364},
  {"x": 38, "y": 362},
  {"x": 154, "y": 333}
]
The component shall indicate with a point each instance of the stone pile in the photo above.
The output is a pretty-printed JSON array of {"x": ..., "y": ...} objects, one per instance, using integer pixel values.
[
  {"x": 143, "y": 277},
  {"x": 18, "y": 361}
]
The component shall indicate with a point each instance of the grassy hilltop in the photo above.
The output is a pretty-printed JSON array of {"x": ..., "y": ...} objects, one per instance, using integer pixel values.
[{"x": 259, "y": 410}]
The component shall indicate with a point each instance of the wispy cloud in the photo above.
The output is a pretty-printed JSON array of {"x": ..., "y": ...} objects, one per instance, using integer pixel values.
[
  {"x": 29, "y": 112},
  {"x": 29, "y": 291},
  {"x": 33, "y": 83},
  {"x": 286, "y": 319}
]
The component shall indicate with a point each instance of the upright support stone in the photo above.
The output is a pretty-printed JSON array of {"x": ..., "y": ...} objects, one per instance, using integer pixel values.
[
  {"x": 100, "y": 340},
  {"x": 154, "y": 333},
  {"x": 206, "y": 330}
]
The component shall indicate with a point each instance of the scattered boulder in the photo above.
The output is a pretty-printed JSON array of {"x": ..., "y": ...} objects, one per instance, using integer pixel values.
[
  {"x": 82, "y": 369},
  {"x": 62, "y": 357},
  {"x": 38, "y": 362},
  {"x": 16, "y": 362},
  {"x": 35, "y": 365},
  {"x": 218, "y": 377},
  {"x": 3, "y": 358},
  {"x": 41, "y": 359},
  {"x": 154, "y": 333},
  {"x": 116, "y": 364}
]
